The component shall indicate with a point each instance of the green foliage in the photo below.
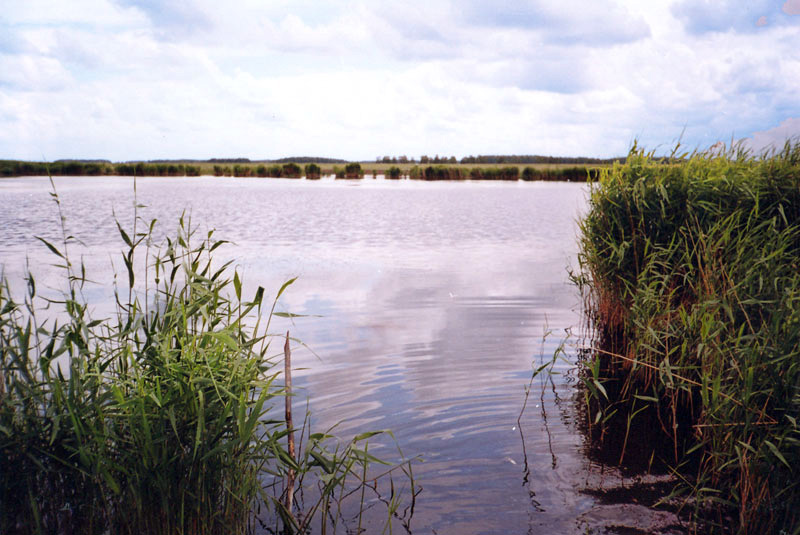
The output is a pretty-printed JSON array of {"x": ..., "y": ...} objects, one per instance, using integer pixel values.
[
  {"x": 220, "y": 170},
  {"x": 192, "y": 170},
  {"x": 510, "y": 173},
  {"x": 158, "y": 419},
  {"x": 291, "y": 170},
  {"x": 61, "y": 167},
  {"x": 564, "y": 174},
  {"x": 494, "y": 173},
  {"x": 351, "y": 170},
  {"x": 394, "y": 173},
  {"x": 437, "y": 172},
  {"x": 242, "y": 170},
  {"x": 154, "y": 169},
  {"x": 312, "y": 171},
  {"x": 691, "y": 273}
]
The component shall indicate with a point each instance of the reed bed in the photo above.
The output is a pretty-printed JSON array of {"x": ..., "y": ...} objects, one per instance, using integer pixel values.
[
  {"x": 312, "y": 171},
  {"x": 690, "y": 267},
  {"x": 164, "y": 418},
  {"x": 351, "y": 171},
  {"x": 507, "y": 173},
  {"x": 96, "y": 168},
  {"x": 393, "y": 173}
]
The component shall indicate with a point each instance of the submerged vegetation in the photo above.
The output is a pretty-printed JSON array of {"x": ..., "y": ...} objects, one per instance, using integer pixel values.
[
  {"x": 166, "y": 416},
  {"x": 691, "y": 272}
]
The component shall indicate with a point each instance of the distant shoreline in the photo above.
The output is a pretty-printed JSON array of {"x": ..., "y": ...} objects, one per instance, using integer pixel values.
[{"x": 570, "y": 172}]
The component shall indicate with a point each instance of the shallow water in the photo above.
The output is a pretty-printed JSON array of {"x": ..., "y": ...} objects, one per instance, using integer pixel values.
[{"x": 427, "y": 307}]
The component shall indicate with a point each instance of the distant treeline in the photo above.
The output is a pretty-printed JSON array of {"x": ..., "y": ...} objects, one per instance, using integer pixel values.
[
  {"x": 500, "y": 159},
  {"x": 308, "y": 159},
  {"x": 540, "y": 159},
  {"x": 291, "y": 159}
]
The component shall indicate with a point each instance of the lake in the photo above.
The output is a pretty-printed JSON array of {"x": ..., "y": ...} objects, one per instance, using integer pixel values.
[{"x": 427, "y": 307}]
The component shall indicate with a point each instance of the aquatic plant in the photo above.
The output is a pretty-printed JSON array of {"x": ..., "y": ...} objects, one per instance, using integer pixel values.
[
  {"x": 566, "y": 174},
  {"x": 242, "y": 170},
  {"x": 291, "y": 170},
  {"x": 192, "y": 170},
  {"x": 690, "y": 269},
  {"x": 494, "y": 173},
  {"x": 393, "y": 173},
  {"x": 220, "y": 170},
  {"x": 436, "y": 172},
  {"x": 164, "y": 417},
  {"x": 351, "y": 170},
  {"x": 312, "y": 171}
]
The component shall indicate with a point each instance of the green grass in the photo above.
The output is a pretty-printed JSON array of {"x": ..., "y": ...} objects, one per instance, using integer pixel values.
[
  {"x": 691, "y": 272},
  {"x": 166, "y": 416}
]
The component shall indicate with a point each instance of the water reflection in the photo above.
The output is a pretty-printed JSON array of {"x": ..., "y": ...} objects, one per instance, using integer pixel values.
[{"x": 426, "y": 303}]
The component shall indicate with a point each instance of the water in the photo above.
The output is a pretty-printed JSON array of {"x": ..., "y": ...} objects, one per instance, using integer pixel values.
[{"x": 427, "y": 304}]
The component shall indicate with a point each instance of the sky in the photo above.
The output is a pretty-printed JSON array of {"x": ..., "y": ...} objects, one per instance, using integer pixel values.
[{"x": 145, "y": 79}]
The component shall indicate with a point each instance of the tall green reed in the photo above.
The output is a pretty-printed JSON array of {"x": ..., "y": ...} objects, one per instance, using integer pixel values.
[{"x": 690, "y": 271}]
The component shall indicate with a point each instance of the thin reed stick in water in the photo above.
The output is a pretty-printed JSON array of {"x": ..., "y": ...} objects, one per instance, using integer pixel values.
[{"x": 287, "y": 352}]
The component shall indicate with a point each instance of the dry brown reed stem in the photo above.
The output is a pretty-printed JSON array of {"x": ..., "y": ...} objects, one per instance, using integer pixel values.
[
  {"x": 287, "y": 352},
  {"x": 760, "y": 412}
]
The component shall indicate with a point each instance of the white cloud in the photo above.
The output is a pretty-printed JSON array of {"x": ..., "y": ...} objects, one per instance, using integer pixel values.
[
  {"x": 125, "y": 80},
  {"x": 31, "y": 72},
  {"x": 774, "y": 138}
]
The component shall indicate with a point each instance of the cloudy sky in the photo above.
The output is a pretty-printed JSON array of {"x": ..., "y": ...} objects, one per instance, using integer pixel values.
[{"x": 146, "y": 79}]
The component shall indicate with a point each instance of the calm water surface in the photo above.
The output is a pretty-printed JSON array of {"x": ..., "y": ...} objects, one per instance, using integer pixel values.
[{"x": 428, "y": 301}]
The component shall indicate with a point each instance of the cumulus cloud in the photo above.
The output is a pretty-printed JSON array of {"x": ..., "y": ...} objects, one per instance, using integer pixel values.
[
  {"x": 32, "y": 73},
  {"x": 359, "y": 78},
  {"x": 774, "y": 138}
]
